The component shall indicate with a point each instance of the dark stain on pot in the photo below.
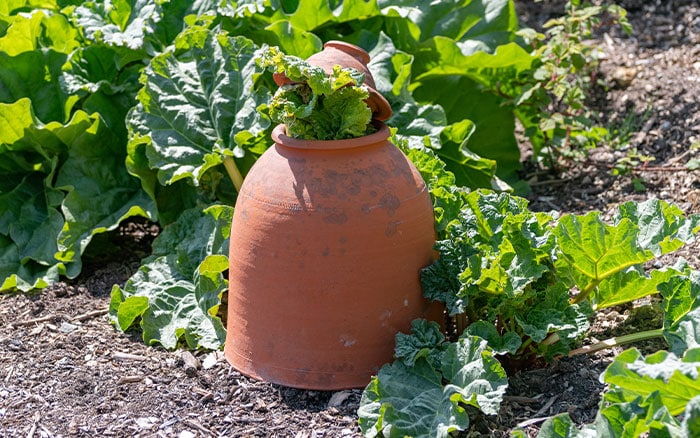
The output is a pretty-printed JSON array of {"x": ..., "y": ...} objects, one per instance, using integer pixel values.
[
  {"x": 343, "y": 240},
  {"x": 373, "y": 193},
  {"x": 391, "y": 202},
  {"x": 336, "y": 218},
  {"x": 326, "y": 252},
  {"x": 378, "y": 174},
  {"x": 391, "y": 228}
]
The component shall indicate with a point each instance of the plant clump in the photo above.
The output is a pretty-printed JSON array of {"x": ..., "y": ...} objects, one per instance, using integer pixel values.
[{"x": 318, "y": 106}]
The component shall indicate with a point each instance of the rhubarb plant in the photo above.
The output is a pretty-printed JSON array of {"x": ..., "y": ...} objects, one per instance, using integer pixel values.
[
  {"x": 538, "y": 277},
  {"x": 528, "y": 283},
  {"x": 657, "y": 395}
]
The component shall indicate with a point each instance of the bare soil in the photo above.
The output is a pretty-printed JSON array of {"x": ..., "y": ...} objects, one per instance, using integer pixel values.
[{"x": 64, "y": 370}]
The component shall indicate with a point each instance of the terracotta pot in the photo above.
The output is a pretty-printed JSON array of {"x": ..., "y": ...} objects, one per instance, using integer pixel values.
[
  {"x": 348, "y": 56},
  {"x": 327, "y": 241}
]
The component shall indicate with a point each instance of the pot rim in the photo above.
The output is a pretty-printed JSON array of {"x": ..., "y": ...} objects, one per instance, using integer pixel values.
[{"x": 280, "y": 137}]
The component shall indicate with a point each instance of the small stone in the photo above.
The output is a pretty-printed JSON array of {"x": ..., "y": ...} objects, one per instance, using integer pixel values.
[
  {"x": 623, "y": 76},
  {"x": 338, "y": 398},
  {"x": 190, "y": 363},
  {"x": 210, "y": 360},
  {"x": 67, "y": 327},
  {"x": 146, "y": 422}
]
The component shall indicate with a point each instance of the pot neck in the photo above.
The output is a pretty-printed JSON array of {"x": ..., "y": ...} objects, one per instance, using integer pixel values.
[{"x": 280, "y": 137}]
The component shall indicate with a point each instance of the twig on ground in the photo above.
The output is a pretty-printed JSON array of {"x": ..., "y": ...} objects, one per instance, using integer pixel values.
[
  {"x": 35, "y": 320},
  {"x": 191, "y": 363},
  {"x": 127, "y": 356},
  {"x": 196, "y": 425},
  {"x": 546, "y": 406},
  {"x": 92, "y": 314},
  {"x": 129, "y": 379},
  {"x": 520, "y": 399},
  {"x": 532, "y": 421},
  {"x": 35, "y": 423}
]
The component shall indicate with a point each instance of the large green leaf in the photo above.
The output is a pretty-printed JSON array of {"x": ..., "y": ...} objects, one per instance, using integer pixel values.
[
  {"x": 448, "y": 77},
  {"x": 32, "y": 51},
  {"x": 198, "y": 105},
  {"x": 677, "y": 380},
  {"x": 478, "y": 24},
  {"x": 126, "y": 23},
  {"x": 72, "y": 185},
  {"x": 172, "y": 308},
  {"x": 99, "y": 191},
  {"x": 682, "y": 311},
  {"x": 29, "y": 225},
  {"x": 627, "y": 286},
  {"x": 663, "y": 227},
  {"x": 36, "y": 30},
  {"x": 425, "y": 340},
  {"x": 175, "y": 294},
  {"x": 509, "y": 342},
  {"x": 10, "y": 7},
  {"x": 644, "y": 399},
  {"x": 412, "y": 401},
  {"x": 594, "y": 250},
  {"x": 36, "y": 75}
]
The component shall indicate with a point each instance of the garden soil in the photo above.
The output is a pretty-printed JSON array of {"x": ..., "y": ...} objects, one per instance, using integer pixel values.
[{"x": 65, "y": 371}]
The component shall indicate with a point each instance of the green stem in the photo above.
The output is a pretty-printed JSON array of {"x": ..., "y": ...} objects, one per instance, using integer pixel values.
[
  {"x": 585, "y": 293},
  {"x": 613, "y": 342},
  {"x": 233, "y": 172},
  {"x": 552, "y": 338}
]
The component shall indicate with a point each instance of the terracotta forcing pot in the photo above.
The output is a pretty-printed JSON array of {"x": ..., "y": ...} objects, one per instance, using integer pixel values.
[{"x": 327, "y": 241}]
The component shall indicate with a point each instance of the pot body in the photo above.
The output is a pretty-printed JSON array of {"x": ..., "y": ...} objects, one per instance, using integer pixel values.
[{"x": 327, "y": 242}]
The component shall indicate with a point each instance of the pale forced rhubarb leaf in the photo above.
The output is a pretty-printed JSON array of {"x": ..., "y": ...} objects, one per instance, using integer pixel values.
[{"x": 316, "y": 105}]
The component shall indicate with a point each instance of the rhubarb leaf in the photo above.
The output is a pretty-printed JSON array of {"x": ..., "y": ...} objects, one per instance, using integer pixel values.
[
  {"x": 676, "y": 380},
  {"x": 425, "y": 340},
  {"x": 198, "y": 106},
  {"x": 412, "y": 401},
  {"x": 593, "y": 250},
  {"x": 681, "y": 306},
  {"x": 71, "y": 186},
  {"x": 629, "y": 285},
  {"x": 139, "y": 25},
  {"x": 663, "y": 227},
  {"x": 175, "y": 294}
]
